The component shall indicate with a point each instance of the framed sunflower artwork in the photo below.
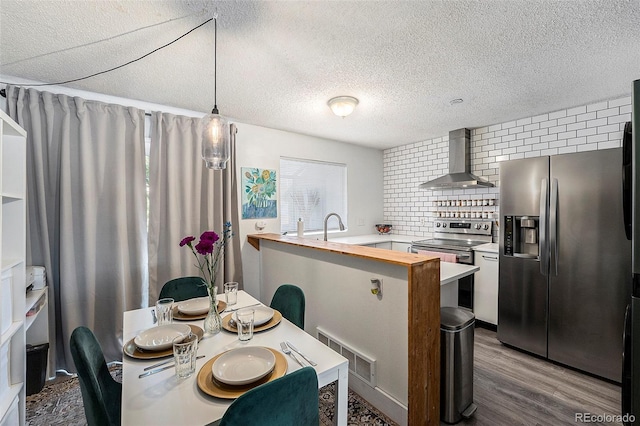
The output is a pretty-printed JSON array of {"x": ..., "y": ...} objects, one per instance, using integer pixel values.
[{"x": 259, "y": 199}]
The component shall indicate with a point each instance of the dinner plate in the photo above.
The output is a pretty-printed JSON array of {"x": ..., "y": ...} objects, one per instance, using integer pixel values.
[
  {"x": 261, "y": 315},
  {"x": 212, "y": 387},
  {"x": 130, "y": 349},
  {"x": 181, "y": 316},
  {"x": 198, "y": 305},
  {"x": 231, "y": 326},
  {"x": 242, "y": 366},
  {"x": 160, "y": 337}
]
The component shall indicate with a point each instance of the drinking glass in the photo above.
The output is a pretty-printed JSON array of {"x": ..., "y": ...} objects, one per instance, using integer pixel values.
[
  {"x": 245, "y": 324},
  {"x": 185, "y": 350},
  {"x": 231, "y": 293},
  {"x": 164, "y": 310}
]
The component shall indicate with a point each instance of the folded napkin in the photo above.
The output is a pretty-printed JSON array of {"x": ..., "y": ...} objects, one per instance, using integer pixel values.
[{"x": 444, "y": 257}]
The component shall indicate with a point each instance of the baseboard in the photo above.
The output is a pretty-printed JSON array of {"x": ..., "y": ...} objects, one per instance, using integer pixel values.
[
  {"x": 487, "y": 325},
  {"x": 382, "y": 401}
]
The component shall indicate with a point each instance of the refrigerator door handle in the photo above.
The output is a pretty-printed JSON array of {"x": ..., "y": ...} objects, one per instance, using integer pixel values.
[
  {"x": 543, "y": 248},
  {"x": 553, "y": 225}
]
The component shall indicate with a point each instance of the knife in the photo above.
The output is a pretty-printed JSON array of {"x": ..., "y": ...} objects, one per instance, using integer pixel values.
[
  {"x": 157, "y": 370},
  {"x": 235, "y": 309},
  {"x": 301, "y": 354}
]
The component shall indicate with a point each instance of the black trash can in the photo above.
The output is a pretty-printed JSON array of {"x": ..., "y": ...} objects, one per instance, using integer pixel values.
[
  {"x": 456, "y": 364},
  {"x": 37, "y": 356}
]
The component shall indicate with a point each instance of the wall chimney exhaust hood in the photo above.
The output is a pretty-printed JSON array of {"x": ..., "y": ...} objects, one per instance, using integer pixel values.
[{"x": 460, "y": 175}]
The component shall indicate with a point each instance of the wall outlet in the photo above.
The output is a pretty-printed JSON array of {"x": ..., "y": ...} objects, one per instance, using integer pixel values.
[
  {"x": 360, "y": 221},
  {"x": 422, "y": 220}
]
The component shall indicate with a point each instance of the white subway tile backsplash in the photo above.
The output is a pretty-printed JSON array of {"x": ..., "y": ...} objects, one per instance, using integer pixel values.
[
  {"x": 577, "y": 141},
  {"x": 587, "y": 116},
  {"x": 549, "y": 138},
  {"x": 557, "y": 114},
  {"x": 583, "y": 128},
  {"x": 609, "y": 128},
  {"x": 567, "y": 135},
  {"x": 597, "y": 138},
  {"x": 608, "y": 112},
  {"x": 523, "y": 121},
  {"x": 597, "y": 122},
  {"x": 577, "y": 126},
  {"x": 558, "y": 144},
  {"x": 622, "y": 118},
  {"x": 567, "y": 120},
  {"x": 619, "y": 102},
  {"x": 587, "y": 132},
  {"x": 567, "y": 150},
  {"x": 557, "y": 129},
  {"x": 610, "y": 144},
  {"x": 598, "y": 106},
  {"x": 539, "y": 118},
  {"x": 540, "y": 132},
  {"x": 577, "y": 110}
]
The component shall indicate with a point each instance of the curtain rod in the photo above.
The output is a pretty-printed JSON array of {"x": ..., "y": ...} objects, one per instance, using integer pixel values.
[{"x": 3, "y": 93}]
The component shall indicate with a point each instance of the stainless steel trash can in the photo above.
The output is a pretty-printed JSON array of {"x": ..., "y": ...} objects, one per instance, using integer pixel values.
[{"x": 456, "y": 364}]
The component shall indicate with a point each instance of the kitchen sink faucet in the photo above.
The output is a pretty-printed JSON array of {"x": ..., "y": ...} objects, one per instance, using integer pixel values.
[{"x": 340, "y": 224}]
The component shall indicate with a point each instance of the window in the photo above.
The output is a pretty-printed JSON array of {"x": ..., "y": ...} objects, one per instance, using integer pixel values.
[{"x": 310, "y": 190}]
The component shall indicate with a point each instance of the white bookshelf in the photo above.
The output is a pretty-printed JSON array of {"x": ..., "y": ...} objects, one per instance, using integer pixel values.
[{"x": 12, "y": 261}]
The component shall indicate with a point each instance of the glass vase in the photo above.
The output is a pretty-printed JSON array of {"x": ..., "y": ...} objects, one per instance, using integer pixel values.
[{"x": 213, "y": 321}]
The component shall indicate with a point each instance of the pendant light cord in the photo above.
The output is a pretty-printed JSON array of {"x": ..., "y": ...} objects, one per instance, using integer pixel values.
[
  {"x": 215, "y": 65},
  {"x": 3, "y": 92}
]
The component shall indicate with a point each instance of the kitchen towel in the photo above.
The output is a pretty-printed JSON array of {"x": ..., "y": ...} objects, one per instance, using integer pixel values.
[{"x": 444, "y": 257}]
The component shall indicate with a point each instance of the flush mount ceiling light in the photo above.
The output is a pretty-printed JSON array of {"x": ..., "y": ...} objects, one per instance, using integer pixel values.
[
  {"x": 216, "y": 134},
  {"x": 342, "y": 105}
]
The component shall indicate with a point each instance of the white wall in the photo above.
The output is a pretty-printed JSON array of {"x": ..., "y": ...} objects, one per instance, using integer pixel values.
[
  {"x": 262, "y": 147},
  {"x": 411, "y": 210}
]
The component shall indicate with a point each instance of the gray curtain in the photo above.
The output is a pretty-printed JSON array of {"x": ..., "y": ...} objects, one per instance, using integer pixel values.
[
  {"x": 186, "y": 198},
  {"x": 86, "y": 212}
]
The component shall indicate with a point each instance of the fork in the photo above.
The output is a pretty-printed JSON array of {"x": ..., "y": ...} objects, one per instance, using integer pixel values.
[{"x": 287, "y": 351}]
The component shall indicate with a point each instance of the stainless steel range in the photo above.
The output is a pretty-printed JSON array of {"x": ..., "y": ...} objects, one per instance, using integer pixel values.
[{"x": 458, "y": 237}]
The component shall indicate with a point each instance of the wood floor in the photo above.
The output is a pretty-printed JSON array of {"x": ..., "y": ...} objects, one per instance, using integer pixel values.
[{"x": 513, "y": 388}]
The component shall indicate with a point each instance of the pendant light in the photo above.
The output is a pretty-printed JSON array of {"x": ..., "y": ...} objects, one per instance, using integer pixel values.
[{"x": 216, "y": 135}]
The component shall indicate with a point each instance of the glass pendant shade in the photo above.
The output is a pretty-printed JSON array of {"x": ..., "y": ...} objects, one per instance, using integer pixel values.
[{"x": 216, "y": 141}]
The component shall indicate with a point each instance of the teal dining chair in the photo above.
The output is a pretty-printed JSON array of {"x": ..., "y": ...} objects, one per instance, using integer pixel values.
[
  {"x": 183, "y": 288},
  {"x": 289, "y": 300},
  {"x": 291, "y": 400},
  {"x": 101, "y": 394}
]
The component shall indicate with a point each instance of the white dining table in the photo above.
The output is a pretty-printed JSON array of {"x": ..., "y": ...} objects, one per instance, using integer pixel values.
[{"x": 162, "y": 399}]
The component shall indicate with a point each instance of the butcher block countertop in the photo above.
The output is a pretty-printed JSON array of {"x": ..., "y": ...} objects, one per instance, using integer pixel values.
[{"x": 382, "y": 255}]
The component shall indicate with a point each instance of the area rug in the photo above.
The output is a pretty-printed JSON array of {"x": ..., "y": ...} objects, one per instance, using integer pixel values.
[{"x": 60, "y": 403}]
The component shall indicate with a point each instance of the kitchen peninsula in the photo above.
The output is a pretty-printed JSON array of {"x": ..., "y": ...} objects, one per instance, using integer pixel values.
[{"x": 396, "y": 333}]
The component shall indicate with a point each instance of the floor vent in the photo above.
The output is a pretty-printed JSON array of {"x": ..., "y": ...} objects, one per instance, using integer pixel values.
[{"x": 359, "y": 364}]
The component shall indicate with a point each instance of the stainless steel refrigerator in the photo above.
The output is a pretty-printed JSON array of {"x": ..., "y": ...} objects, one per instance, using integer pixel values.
[{"x": 565, "y": 261}]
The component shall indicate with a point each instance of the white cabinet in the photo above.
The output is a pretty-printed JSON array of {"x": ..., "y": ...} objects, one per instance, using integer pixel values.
[
  {"x": 405, "y": 247},
  {"x": 12, "y": 262},
  {"x": 485, "y": 292}
]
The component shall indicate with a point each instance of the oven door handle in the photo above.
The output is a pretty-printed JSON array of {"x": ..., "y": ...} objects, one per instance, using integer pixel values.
[{"x": 463, "y": 256}]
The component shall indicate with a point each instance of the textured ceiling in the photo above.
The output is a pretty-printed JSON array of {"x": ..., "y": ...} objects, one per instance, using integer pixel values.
[{"x": 280, "y": 61}]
